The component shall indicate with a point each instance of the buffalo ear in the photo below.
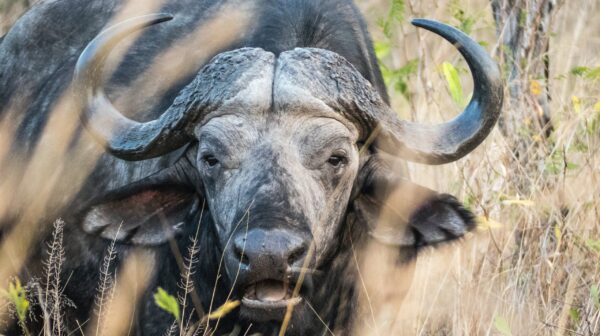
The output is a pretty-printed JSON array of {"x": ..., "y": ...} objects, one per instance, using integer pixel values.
[
  {"x": 141, "y": 215},
  {"x": 401, "y": 213},
  {"x": 441, "y": 218}
]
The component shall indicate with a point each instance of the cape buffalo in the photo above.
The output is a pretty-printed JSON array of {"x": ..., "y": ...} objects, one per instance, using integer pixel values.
[{"x": 277, "y": 147}]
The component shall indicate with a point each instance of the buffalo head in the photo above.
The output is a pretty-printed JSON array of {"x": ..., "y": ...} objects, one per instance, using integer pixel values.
[{"x": 284, "y": 150}]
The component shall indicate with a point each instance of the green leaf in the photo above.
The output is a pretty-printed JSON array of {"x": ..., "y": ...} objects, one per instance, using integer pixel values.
[
  {"x": 593, "y": 244},
  {"x": 18, "y": 297},
  {"x": 167, "y": 302},
  {"x": 593, "y": 73},
  {"x": 382, "y": 49},
  {"x": 586, "y": 72},
  {"x": 398, "y": 78},
  {"x": 386, "y": 74},
  {"x": 402, "y": 75},
  {"x": 579, "y": 70},
  {"x": 574, "y": 315},
  {"x": 555, "y": 163},
  {"x": 580, "y": 146},
  {"x": 402, "y": 87},
  {"x": 466, "y": 22},
  {"x": 387, "y": 28},
  {"x": 397, "y": 10},
  {"x": 395, "y": 15},
  {"x": 502, "y": 326},
  {"x": 409, "y": 68},
  {"x": 594, "y": 295},
  {"x": 454, "y": 85},
  {"x": 572, "y": 166}
]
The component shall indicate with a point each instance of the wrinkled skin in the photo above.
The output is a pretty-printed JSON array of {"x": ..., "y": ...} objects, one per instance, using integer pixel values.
[
  {"x": 250, "y": 162},
  {"x": 266, "y": 182}
]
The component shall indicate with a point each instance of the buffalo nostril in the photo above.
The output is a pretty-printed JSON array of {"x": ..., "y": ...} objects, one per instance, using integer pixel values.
[
  {"x": 297, "y": 255},
  {"x": 243, "y": 258},
  {"x": 241, "y": 254}
]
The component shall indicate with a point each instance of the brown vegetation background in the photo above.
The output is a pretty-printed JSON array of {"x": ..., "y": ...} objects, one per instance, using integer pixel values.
[{"x": 532, "y": 267}]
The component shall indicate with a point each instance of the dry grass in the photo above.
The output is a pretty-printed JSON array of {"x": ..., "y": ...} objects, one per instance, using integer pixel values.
[{"x": 530, "y": 267}]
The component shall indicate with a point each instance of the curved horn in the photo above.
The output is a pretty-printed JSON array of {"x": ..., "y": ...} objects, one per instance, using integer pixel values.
[
  {"x": 121, "y": 136},
  {"x": 449, "y": 141}
]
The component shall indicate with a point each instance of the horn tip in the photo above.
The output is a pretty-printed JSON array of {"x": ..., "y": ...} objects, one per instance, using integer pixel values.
[
  {"x": 424, "y": 23},
  {"x": 164, "y": 17}
]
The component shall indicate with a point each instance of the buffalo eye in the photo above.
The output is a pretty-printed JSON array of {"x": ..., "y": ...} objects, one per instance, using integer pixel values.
[
  {"x": 210, "y": 160},
  {"x": 337, "y": 160}
]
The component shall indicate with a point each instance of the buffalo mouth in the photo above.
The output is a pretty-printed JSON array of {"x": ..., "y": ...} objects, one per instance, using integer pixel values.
[
  {"x": 268, "y": 300},
  {"x": 270, "y": 294}
]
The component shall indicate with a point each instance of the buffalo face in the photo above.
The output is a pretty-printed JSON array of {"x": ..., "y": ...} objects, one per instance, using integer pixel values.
[{"x": 277, "y": 167}]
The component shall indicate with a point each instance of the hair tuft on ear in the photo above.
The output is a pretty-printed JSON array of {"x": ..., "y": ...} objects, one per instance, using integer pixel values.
[{"x": 441, "y": 218}]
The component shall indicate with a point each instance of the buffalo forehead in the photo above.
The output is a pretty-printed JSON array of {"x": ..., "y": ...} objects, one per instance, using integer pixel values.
[
  {"x": 304, "y": 81},
  {"x": 236, "y": 82},
  {"x": 323, "y": 82}
]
